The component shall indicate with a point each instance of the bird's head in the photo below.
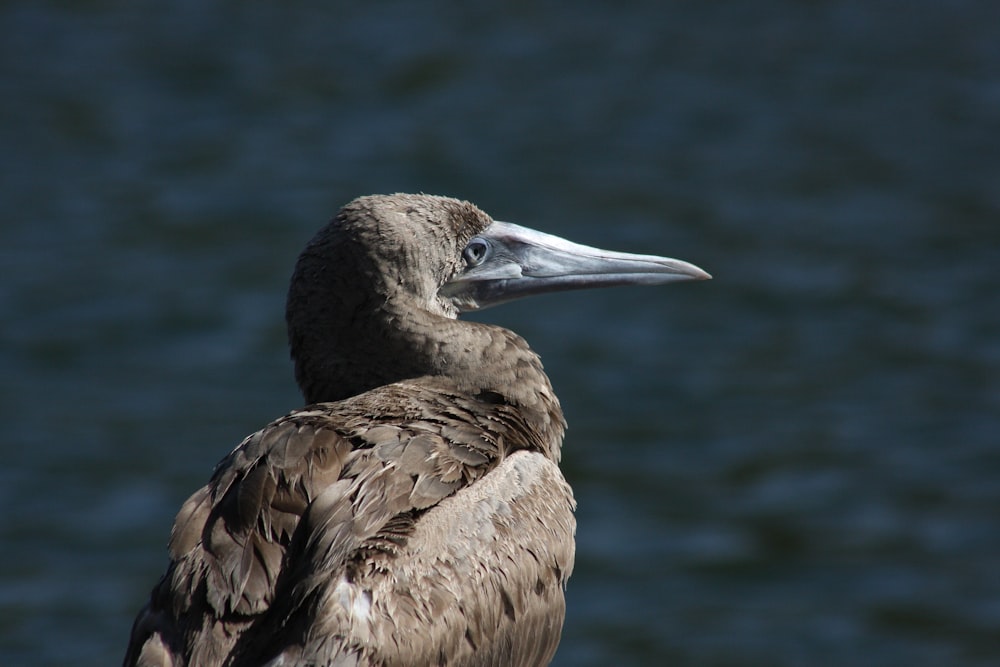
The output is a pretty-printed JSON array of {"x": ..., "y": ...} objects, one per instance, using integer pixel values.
[{"x": 389, "y": 262}]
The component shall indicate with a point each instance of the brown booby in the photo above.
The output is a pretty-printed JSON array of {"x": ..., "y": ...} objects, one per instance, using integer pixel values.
[{"x": 414, "y": 512}]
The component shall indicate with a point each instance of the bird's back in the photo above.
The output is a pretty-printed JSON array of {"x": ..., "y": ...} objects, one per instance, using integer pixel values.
[{"x": 411, "y": 524}]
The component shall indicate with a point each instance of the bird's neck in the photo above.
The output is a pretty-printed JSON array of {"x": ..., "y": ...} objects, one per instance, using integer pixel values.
[{"x": 349, "y": 356}]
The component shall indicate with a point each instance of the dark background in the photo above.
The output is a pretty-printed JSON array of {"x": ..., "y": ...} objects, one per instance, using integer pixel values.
[{"x": 794, "y": 464}]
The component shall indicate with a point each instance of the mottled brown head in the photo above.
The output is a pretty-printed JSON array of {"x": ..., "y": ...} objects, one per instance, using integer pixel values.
[
  {"x": 367, "y": 284},
  {"x": 414, "y": 243}
]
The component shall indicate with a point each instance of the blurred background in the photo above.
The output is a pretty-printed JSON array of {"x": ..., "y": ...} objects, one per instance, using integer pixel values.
[{"x": 794, "y": 464}]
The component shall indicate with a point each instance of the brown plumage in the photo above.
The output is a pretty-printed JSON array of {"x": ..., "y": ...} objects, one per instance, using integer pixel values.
[{"x": 414, "y": 513}]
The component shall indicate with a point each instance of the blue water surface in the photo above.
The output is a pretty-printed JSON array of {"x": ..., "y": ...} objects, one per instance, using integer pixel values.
[{"x": 794, "y": 464}]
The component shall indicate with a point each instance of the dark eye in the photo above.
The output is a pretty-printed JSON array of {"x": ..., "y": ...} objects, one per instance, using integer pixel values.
[{"x": 475, "y": 253}]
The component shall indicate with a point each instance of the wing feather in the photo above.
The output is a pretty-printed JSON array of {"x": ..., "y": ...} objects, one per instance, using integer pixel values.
[{"x": 315, "y": 501}]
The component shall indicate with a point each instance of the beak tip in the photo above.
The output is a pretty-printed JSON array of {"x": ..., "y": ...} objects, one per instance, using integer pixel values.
[{"x": 692, "y": 272}]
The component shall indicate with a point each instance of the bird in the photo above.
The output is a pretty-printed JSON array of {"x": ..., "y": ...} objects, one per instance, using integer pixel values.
[{"x": 413, "y": 512}]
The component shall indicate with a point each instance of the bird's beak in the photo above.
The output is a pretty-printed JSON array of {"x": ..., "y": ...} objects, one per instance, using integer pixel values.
[{"x": 506, "y": 262}]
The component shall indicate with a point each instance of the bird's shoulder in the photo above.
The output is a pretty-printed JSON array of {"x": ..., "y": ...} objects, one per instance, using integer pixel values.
[
  {"x": 346, "y": 468},
  {"x": 292, "y": 503}
]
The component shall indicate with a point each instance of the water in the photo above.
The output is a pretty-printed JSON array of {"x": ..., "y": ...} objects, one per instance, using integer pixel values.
[{"x": 795, "y": 464}]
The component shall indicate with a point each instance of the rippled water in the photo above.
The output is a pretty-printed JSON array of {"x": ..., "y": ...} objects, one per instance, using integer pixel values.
[{"x": 795, "y": 464}]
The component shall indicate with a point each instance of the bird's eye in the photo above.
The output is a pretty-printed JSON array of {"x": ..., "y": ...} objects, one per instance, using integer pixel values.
[{"x": 476, "y": 252}]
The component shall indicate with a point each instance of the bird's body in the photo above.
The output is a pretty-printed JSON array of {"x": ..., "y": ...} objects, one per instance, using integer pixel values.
[{"x": 414, "y": 513}]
